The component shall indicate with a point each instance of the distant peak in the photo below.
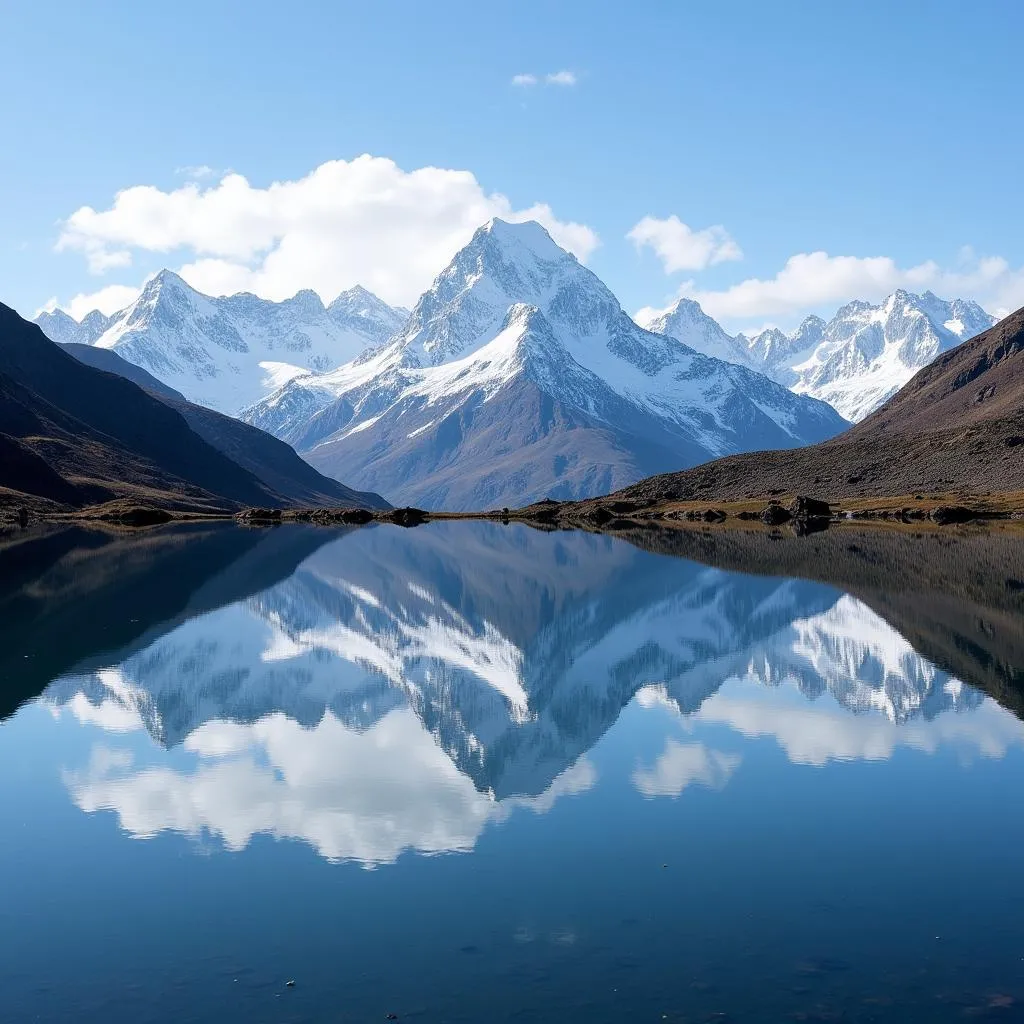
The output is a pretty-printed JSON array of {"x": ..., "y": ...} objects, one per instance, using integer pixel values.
[
  {"x": 357, "y": 294},
  {"x": 689, "y": 306},
  {"x": 307, "y": 299},
  {"x": 51, "y": 315},
  {"x": 527, "y": 234},
  {"x": 357, "y": 291},
  {"x": 164, "y": 280}
]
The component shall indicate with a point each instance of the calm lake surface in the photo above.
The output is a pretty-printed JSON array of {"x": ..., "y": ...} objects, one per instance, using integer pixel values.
[{"x": 473, "y": 773}]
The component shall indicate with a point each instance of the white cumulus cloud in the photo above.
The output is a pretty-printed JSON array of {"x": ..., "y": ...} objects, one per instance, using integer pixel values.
[
  {"x": 107, "y": 300},
  {"x": 561, "y": 78},
  {"x": 363, "y": 221},
  {"x": 685, "y": 764},
  {"x": 819, "y": 282},
  {"x": 351, "y": 795},
  {"x": 524, "y": 80},
  {"x": 680, "y": 247}
]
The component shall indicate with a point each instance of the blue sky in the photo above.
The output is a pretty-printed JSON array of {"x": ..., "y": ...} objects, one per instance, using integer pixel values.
[{"x": 750, "y": 135}]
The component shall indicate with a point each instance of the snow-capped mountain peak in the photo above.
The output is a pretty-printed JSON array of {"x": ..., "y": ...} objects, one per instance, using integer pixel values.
[
  {"x": 361, "y": 311},
  {"x": 228, "y": 352},
  {"x": 855, "y": 361},
  {"x": 685, "y": 321},
  {"x": 867, "y": 353},
  {"x": 518, "y": 375},
  {"x": 502, "y": 265},
  {"x": 60, "y": 327}
]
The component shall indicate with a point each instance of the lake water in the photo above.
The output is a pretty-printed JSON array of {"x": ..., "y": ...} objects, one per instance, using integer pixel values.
[{"x": 471, "y": 773}]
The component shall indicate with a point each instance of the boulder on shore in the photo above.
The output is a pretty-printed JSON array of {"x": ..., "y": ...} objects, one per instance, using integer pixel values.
[
  {"x": 943, "y": 514},
  {"x": 259, "y": 515},
  {"x": 803, "y": 507},
  {"x": 137, "y": 515},
  {"x": 408, "y": 516},
  {"x": 774, "y": 515}
]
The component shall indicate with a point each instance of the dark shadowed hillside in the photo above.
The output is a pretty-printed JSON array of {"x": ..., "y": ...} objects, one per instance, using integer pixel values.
[
  {"x": 107, "y": 359},
  {"x": 957, "y": 426},
  {"x": 73, "y": 435}
]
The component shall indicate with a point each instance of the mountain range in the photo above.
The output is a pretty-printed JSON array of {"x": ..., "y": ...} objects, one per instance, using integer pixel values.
[
  {"x": 957, "y": 427},
  {"x": 73, "y": 434},
  {"x": 518, "y": 376},
  {"x": 855, "y": 362},
  {"x": 226, "y": 353}
]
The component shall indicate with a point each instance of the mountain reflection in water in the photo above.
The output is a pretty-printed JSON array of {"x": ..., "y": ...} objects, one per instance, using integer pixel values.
[{"x": 381, "y": 690}]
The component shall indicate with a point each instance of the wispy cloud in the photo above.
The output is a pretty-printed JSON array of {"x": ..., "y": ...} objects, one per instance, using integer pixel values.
[
  {"x": 196, "y": 172},
  {"x": 527, "y": 80}
]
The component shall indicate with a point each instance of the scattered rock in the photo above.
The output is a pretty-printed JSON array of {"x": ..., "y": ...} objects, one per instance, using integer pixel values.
[
  {"x": 138, "y": 515},
  {"x": 407, "y": 516},
  {"x": 599, "y": 516},
  {"x": 774, "y": 514},
  {"x": 356, "y": 515},
  {"x": 803, "y": 507},
  {"x": 713, "y": 515},
  {"x": 542, "y": 511},
  {"x": 259, "y": 515},
  {"x": 943, "y": 514},
  {"x": 747, "y": 515}
]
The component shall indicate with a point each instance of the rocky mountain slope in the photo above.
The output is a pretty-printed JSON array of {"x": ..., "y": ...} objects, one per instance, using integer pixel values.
[
  {"x": 226, "y": 353},
  {"x": 73, "y": 435},
  {"x": 518, "y": 376},
  {"x": 855, "y": 361},
  {"x": 957, "y": 426}
]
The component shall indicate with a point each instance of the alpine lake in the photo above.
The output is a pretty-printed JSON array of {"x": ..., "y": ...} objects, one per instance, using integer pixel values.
[{"x": 480, "y": 773}]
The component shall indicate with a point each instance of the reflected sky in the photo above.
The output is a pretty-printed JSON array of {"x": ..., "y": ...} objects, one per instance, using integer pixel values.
[
  {"x": 471, "y": 772},
  {"x": 405, "y": 690}
]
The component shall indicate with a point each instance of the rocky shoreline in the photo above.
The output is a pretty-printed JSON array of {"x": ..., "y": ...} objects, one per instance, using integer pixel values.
[{"x": 800, "y": 513}]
